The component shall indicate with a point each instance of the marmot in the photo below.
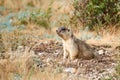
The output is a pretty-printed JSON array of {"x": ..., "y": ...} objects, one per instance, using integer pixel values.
[{"x": 73, "y": 47}]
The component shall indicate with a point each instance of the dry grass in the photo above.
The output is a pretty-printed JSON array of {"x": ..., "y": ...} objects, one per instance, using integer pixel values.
[
  {"x": 23, "y": 65},
  {"x": 21, "y": 4}
]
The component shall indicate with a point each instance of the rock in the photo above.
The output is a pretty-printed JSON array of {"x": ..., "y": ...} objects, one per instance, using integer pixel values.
[
  {"x": 70, "y": 70},
  {"x": 20, "y": 49},
  {"x": 100, "y": 52},
  {"x": 56, "y": 53},
  {"x": 46, "y": 42},
  {"x": 50, "y": 62},
  {"x": 41, "y": 53}
]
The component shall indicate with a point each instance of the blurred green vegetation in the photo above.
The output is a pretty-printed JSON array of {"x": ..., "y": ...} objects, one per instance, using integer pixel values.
[
  {"x": 88, "y": 13},
  {"x": 97, "y": 13},
  {"x": 38, "y": 17}
]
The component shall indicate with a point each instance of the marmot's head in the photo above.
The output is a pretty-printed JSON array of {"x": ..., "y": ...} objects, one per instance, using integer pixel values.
[{"x": 64, "y": 33}]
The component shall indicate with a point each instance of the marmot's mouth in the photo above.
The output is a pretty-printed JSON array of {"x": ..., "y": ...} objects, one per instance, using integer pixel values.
[{"x": 57, "y": 31}]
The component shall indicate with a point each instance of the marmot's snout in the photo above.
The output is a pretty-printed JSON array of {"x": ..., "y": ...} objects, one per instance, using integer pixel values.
[
  {"x": 60, "y": 29},
  {"x": 57, "y": 31},
  {"x": 64, "y": 32}
]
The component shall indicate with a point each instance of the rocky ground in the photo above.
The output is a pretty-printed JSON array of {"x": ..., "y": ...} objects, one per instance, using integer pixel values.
[
  {"x": 50, "y": 52},
  {"x": 49, "y": 56}
]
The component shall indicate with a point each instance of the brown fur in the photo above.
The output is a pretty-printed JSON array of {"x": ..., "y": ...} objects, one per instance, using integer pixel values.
[{"x": 73, "y": 47}]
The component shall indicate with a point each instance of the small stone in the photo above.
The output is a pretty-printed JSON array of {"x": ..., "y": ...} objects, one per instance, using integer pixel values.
[
  {"x": 50, "y": 61},
  {"x": 56, "y": 54},
  {"x": 41, "y": 53},
  {"x": 100, "y": 52},
  {"x": 46, "y": 42},
  {"x": 70, "y": 70},
  {"x": 106, "y": 52},
  {"x": 20, "y": 48}
]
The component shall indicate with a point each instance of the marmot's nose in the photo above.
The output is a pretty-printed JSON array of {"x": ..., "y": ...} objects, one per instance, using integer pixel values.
[{"x": 57, "y": 31}]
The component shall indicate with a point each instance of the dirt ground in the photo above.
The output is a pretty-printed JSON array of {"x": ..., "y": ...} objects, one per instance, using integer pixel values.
[
  {"x": 51, "y": 53},
  {"x": 47, "y": 63}
]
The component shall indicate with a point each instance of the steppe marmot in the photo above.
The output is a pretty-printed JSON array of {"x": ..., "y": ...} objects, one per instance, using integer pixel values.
[{"x": 73, "y": 47}]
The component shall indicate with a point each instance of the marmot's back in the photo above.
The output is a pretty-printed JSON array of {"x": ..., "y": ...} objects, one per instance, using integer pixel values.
[{"x": 85, "y": 51}]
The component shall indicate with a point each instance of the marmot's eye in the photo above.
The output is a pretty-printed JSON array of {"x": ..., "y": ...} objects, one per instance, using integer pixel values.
[{"x": 63, "y": 29}]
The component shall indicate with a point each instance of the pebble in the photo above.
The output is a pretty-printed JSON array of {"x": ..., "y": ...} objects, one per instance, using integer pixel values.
[
  {"x": 20, "y": 48},
  {"x": 100, "y": 52},
  {"x": 70, "y": 70},
  {"x": 40, "y": 53}
]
